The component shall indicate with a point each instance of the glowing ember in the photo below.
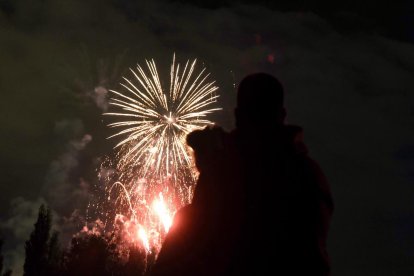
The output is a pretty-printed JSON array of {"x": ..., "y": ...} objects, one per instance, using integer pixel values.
[
  {"x": 144, "y": 238},
  {"x": 162, "y": 212}
]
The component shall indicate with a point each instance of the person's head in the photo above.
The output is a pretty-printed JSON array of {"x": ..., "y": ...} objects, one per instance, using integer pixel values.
[{"x": 259, "y": 101}]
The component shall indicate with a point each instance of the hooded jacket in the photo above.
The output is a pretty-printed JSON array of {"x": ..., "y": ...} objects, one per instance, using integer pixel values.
[{"x": 261, "y": 206}]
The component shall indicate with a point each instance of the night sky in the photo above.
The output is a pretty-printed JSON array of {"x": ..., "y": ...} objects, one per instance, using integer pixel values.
[{"x": 348, "y": 72}]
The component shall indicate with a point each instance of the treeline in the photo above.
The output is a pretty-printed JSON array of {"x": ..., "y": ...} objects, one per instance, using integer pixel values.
[{"x": 88, "y": 254}]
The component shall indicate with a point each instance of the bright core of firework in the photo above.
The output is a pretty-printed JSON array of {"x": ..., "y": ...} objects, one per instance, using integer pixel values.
[{"x": 155, "y": 164}]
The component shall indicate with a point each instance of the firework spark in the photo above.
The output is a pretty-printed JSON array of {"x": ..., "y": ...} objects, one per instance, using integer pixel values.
[
  {"x": 158, "y": 120},
  {"x": 154, "y": 163}
]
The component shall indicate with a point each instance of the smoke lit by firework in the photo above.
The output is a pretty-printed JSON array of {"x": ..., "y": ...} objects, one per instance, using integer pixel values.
[{"x": 155, "y": 170}]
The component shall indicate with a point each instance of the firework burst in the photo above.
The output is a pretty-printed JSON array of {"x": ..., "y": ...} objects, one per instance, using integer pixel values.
[{"x": 154, "y": 164}]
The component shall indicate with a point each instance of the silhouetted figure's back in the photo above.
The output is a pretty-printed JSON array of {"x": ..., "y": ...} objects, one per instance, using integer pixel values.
[{"x": 261, "y": 205}]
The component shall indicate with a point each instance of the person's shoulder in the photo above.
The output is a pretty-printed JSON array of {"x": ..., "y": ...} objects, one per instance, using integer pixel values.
[
  {"x": 316, "y": 175},
  {"x": 207, "y": 139},
  {"x": 295, "y": 137},
  {"x": 210, "y": 146}
]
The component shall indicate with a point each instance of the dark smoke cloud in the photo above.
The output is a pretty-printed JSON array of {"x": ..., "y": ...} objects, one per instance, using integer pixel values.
[
  {"x": 61, "y": 191},
  {"x": 62, "y": 187}
]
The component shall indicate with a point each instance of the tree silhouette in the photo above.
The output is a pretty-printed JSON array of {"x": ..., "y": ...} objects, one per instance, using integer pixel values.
[
  {"x": 137, "y": 262},
  {"x": 43, "y": 253},
  {"x": 150, "y": 260},
  {"x": 92, "y": 254},
  {"x": 55, "y": 255},
  {"x": 36, "y": 262},
  {"x": 96, "y": 254}
]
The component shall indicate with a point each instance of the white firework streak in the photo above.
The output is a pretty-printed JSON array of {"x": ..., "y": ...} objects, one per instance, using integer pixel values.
[{"x": 157, "y": 122}]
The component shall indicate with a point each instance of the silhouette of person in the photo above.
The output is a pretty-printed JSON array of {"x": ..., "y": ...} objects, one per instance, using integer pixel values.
[{"x": 261, "y": 205}]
